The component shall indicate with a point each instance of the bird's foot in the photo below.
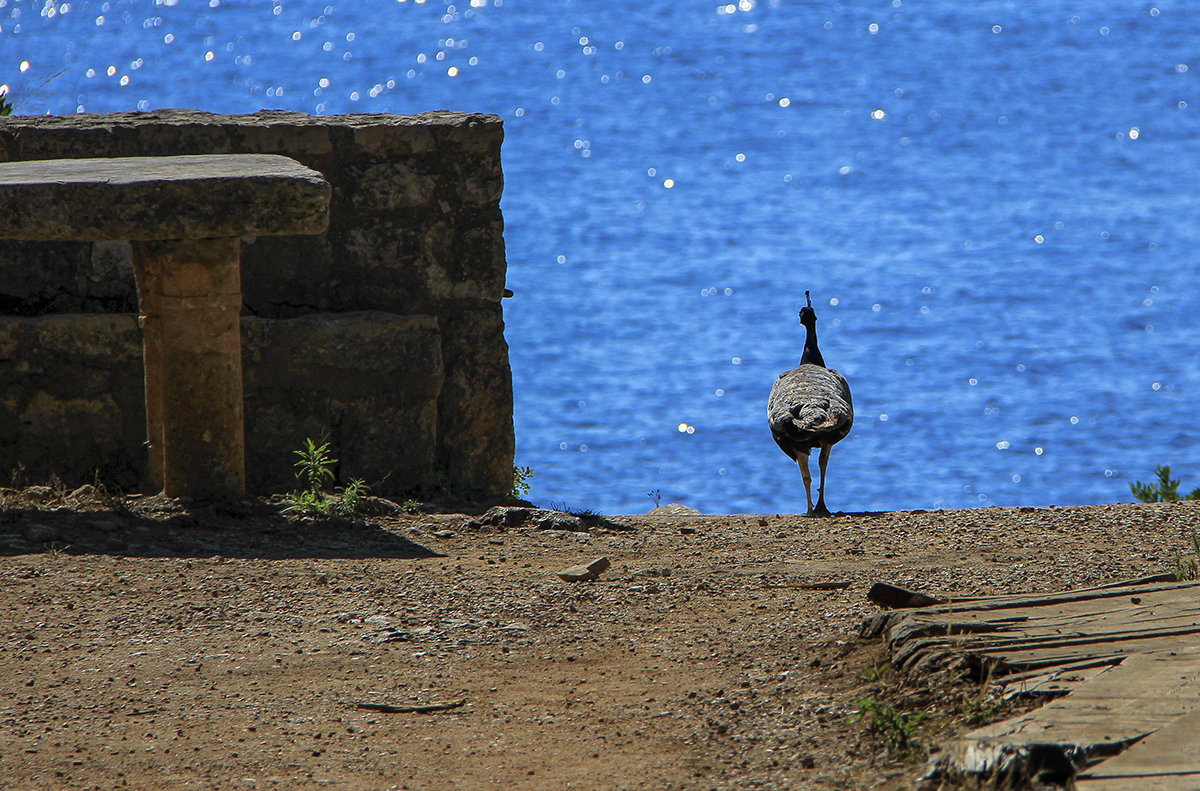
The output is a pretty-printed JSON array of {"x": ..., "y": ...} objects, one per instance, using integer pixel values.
[{"x": 819, "y": 511}]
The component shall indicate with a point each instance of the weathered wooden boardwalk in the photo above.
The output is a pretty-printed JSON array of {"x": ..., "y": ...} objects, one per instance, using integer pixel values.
[{"x": 1125, "y": 659}]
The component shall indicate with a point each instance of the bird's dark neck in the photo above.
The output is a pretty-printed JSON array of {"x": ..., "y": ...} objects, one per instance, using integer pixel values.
[{"x": 812, "y": 355}]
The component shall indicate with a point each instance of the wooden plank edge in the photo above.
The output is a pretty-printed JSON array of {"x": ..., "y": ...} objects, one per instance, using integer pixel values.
[{"x": 1000, "y": 766}]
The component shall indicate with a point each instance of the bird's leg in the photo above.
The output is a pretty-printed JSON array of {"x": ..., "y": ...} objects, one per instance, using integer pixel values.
[
  {"x": 802, "y": 460},
  {"x": 822, "y": 462}
]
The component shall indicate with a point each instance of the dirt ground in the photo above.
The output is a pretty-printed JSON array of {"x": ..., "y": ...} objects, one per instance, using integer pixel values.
[{"x": 148, "y": 643}]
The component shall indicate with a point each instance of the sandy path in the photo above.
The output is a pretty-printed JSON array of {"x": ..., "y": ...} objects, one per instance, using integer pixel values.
[{"x": 159, "y": 647}]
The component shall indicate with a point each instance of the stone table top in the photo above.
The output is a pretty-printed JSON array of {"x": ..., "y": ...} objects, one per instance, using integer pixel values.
[{"x": 151, "y": 198}]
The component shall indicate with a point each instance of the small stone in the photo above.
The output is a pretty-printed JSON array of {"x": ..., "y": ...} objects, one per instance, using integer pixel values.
[
  {"x": 585, "y": 572},
  {"x": 85, "y": 492},
  {"x": 507, "y": 516},
  {"x": 556, "y": 520},
  {"x": 37, "y": 494},
  {"x": 687, "y": 530},
  {"x": 379, "y": 620},
  {"x": 444, "y": 533},
  {"x": 674, "y": 509}
]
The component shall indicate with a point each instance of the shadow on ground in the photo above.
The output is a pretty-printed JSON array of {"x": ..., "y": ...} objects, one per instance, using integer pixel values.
[{"x": 160, "y": 527}]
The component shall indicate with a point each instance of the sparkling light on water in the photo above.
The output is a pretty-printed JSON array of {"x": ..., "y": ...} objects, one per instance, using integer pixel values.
[{"x": 677, "y": 176}]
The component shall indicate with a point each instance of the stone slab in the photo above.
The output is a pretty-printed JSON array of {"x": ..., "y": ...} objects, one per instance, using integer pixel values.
[{"x": 170, "y": 197}]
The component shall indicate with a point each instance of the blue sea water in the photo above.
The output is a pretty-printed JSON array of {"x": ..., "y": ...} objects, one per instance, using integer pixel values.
[{"x": 994, "y": 205}]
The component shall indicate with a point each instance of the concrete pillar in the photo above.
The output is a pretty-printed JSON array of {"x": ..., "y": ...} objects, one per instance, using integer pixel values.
[{"x": 190, "y": 299}]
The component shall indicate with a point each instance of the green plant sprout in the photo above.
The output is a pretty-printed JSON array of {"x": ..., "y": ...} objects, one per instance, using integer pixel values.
[
  {"x": 893, "y": 727},
  {"x": 315, "y": 466},
  {"x": 1187, "y": 569},
  {"x": 314, "y": 469}
]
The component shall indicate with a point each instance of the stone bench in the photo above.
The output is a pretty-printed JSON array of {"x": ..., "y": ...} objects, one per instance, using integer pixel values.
[{"x": 185, "y": 217}]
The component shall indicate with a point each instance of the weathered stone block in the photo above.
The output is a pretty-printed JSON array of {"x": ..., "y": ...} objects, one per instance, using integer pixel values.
[
  {"x": 286, "y": 276},
  {"x": 392, "y": 140},
  {"x": 483, "y": 187},
  {"x": 110, "y": 282},
  {"x": 370, "y": 382},
  {"x": 275, "y": 132},
  {"x": 61, "y": 140},
  {"x": 414, "y": 266},
  {"x": 181, "y": 137},
  {"x": 390, "y": 186},
  {"x": 71, "y": 398},
  {"x": 476, "y": 441},
  {"x": 38, "y": 278}
]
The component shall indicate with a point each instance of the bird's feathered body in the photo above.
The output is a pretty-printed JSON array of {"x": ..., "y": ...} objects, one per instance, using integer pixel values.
[{"x": 810, "y": 407}]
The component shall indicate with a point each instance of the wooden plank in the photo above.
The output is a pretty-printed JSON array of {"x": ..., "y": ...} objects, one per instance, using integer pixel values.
[
  {"x": 1103, "y": 716},
  {"x": 1068, "y": 629},
  {"x": 1141, "y": 694},
  {"x": 1059, "y": 681},
  {"x": 1187, "y": 782},
  {"x": 1166, "y": 760},
  {"x": 1129, "y": 657},
  {"x": 1100, "y": 599},
  {"x": 1174, "y": 603},
  {"x": 1032, "y": 658}
]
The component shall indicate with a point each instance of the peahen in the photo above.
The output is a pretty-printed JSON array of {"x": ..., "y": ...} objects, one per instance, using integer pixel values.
[{"x": 810, "y": 407}]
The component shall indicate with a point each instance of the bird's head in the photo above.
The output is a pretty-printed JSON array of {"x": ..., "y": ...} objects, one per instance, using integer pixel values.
[{"x": 808, "y": 316}]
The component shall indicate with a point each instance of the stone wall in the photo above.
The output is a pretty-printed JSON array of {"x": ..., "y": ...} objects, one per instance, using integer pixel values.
[{"x": 386, "y": 332}]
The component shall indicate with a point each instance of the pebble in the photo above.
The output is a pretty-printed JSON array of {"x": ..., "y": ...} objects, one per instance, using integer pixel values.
[
  {"x": 585, "y": 572},
  {"x": 543, "y": 518},
  {"x": 674, "y": 509},
  {"x": 37, "y": 494},
  {"x": 85, "y": 492}
]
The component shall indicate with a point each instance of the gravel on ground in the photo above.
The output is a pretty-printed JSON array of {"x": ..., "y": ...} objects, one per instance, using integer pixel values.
[{"x": 160, "y": 644}]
